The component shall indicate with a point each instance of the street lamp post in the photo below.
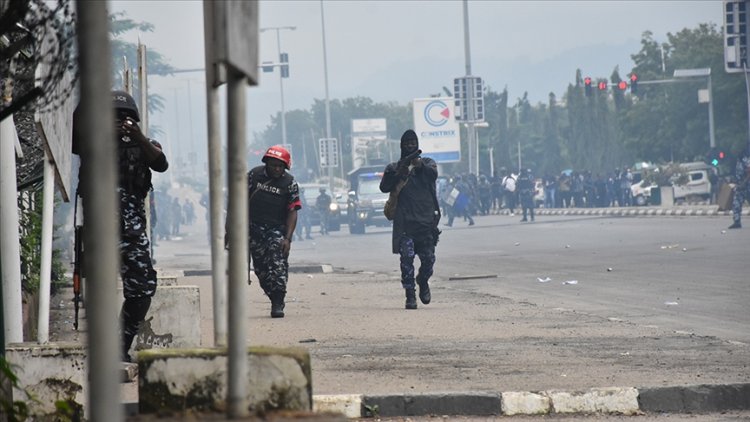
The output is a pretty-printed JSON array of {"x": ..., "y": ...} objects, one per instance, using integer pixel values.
[{"x": 278, "y": 29}]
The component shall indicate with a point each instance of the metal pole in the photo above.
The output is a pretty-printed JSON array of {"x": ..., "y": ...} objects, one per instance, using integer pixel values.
[
  {"x": 193, "y": 153},
  {"x": 469, "y": 93},
  {"x": 747, "y": 88},
  {"x": 99, "y": 181},
  {"x": 711, "y": 114},
  {"x": 237, "y": 205},
  {"x": 216, "y": 199},
  {"x": 519, "y": 157},
  {"x": 328, "y": 103},
  {"x": 278, "y": 30},
  {"x": 10, "y": 250},
  {"x": 281, "y": 89},
  {"x": 45, "y": 273}
]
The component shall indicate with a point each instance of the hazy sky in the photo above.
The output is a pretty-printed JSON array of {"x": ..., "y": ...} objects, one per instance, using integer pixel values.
[{"x": 400, "y": 50}]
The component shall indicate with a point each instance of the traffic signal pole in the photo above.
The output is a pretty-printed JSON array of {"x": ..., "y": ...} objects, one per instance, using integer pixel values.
[
  {"x": 472, "y": 144},
  {"x": 685, "y": 75}
]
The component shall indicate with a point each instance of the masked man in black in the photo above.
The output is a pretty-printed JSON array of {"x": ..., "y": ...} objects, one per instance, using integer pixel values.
[{"x": 417, "y": 215}]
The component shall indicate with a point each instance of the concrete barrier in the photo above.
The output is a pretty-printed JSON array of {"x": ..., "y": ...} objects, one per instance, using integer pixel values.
[
  {"x": 48, "y": 374},
  {"x": 180, "y": 380},
  {"x": 173, "y": 320}
]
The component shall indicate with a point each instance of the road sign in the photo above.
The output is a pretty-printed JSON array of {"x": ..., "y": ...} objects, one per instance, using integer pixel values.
[
  {"x": 469, "y": 90},
  {"x": 439, "y": 135},
  {"x": 736, "y": 35},
  {"x": 329, "y": 152}
]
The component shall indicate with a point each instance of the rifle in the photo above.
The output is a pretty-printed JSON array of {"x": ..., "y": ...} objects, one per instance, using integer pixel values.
[{"x": 77, "y": 262}]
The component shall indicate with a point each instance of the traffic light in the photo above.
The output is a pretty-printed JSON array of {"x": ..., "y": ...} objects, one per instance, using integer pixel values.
[
  {"x": 715, "y": 156},
  {"x": 284, "y": 59},
  {"x": 587, "y": 86},
  {"x": 633, "y": 83},
  {"x": 602, "y": 85},
  {"x": 622, "y": 85}
]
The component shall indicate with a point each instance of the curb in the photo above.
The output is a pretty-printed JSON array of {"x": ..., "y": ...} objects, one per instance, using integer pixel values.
[
  {"x": 307, "y": 269},
  {"x": 704, "y": 211},
  {"x": 611, "y": 400}
]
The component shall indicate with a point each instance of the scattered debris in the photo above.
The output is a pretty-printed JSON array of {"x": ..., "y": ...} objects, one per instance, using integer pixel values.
[
  {"x": 567, "y": 246},
  {"x": 670, "y": 246},
  {"x": 570, "y": 282},
  {"x": 609, "y": 269},
  {"x": 544, "y": 280},
  {"x": 671, "y": 303},
  {"x": 308, "y": 340},
  {"x": 518, "y": 243}
]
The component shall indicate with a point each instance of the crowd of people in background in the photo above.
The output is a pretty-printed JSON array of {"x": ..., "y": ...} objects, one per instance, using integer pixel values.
[
  {"x": 467, "y": 195},
  {"x": 168, "y": 215}
]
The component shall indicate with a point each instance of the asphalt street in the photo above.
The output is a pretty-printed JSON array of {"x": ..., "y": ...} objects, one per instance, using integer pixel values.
[{"x": 566, "y": 302}]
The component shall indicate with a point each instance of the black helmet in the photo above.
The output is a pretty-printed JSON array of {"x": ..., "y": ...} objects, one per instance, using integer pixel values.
[{"x": 124, "y": 101}]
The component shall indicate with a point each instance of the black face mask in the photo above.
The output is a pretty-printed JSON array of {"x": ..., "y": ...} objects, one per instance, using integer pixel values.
[{"x": 407, "y": 148}]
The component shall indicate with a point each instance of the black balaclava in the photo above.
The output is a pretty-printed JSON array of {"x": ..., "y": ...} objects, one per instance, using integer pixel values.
[{"x": 408, "y": 135}]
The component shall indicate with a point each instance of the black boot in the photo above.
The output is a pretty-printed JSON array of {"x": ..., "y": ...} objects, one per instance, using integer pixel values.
[
  {"x": 277, "y": 304},
  {"x": 736, "y": 225},
  {"x": 424, "y": 292},
  {"x": 411, "y": 299},
  {"x": 131, "y": 316}
]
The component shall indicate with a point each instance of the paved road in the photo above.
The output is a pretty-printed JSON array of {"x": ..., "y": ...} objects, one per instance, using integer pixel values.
[
  {"x": 685, "y": 273},
  {"x": 672, "y": 311}
]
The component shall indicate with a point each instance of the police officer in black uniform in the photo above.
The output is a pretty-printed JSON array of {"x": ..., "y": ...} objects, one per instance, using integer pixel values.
[
  {"x": 137, "y": 156},
  {"x": 273, "y": 201},
  {"x": 525, "y": 187}
]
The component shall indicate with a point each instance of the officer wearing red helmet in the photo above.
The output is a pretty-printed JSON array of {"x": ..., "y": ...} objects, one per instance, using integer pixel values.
[{"x": 273, "y": 201}]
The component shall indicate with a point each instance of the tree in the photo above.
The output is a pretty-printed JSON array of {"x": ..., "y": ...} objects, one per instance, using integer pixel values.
[
  {"x": 123, "y": 51},
  {"x": 668, "y": 123}
]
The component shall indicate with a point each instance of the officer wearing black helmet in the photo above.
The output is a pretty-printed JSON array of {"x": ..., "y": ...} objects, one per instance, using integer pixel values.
[{"x": 137, "y": 156}]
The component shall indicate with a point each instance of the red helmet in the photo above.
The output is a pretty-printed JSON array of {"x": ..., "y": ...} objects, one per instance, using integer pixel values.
[{"x": 280, "y": 153}]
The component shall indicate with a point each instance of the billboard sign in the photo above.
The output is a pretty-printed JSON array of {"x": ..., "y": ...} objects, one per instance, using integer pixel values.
[
  {"x": 437, "y": 129},
  {"x": 368, "y": 138}
]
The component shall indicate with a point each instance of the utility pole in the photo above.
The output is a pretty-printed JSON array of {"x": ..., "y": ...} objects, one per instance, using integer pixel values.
[{"x": 278, "y": 30}]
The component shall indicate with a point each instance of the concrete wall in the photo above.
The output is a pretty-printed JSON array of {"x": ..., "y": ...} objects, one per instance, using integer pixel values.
[
  {"x": 49, "y": 373},
  {"x": 173, "y": 321},
  {"x": 181, "y": 380}
]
